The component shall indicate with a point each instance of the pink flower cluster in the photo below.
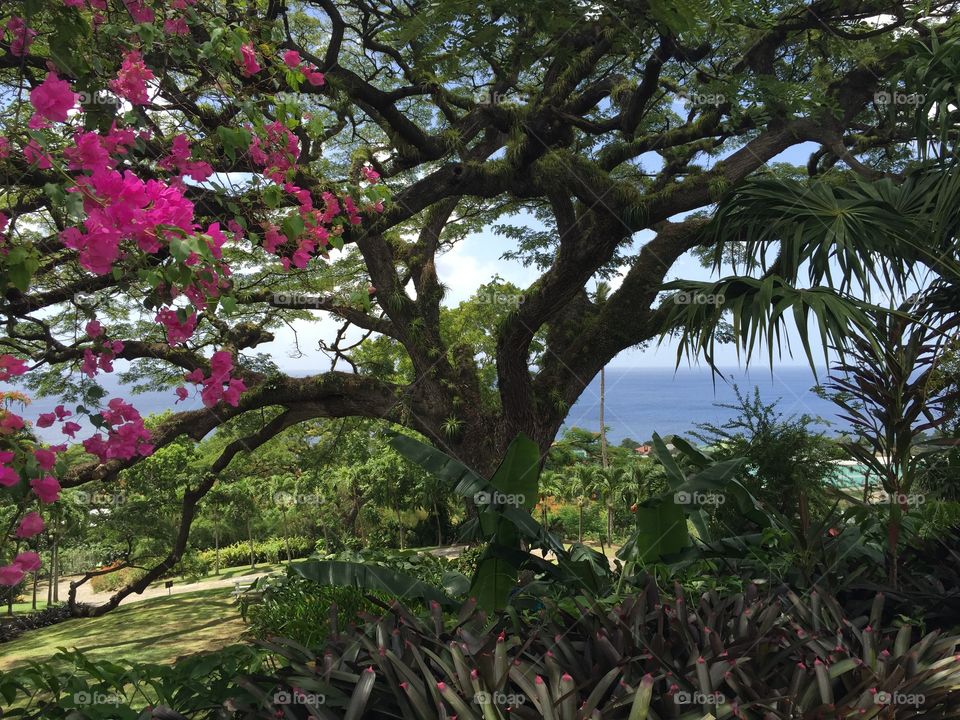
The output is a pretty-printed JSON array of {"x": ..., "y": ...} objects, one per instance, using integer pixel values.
[
  {"x": 277, "y": 152},
  {"x": 92, "y": 362},
  {"x": 21, "y": 36},
  {"x": 179, "y": 159},
  {"x": 291, "y": 58},
  {"x": 13, "y": 573},
  {"x": 11, "y": 366},
  {"x": 131, "y": 82},
  {"x": 121, "y": 207},
  {"x": 178, "y": 332},
  {"x": 52, "y": 99},
  {"x": 219, "y": 385},
  {"x": 59, "y": 414},
  {"x": 139, "y": 11},
  {"x": 126, "y": 435}
]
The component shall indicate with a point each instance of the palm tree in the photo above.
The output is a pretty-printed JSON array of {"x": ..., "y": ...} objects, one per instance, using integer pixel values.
[
  {"x": 580, "y": 488},
  {"x": 608, "y": 483}
]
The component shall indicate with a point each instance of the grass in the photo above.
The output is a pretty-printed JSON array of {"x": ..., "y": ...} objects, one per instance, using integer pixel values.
[
  {"x": 225, "y": 574},
  {"x": 157, "y": 630}
]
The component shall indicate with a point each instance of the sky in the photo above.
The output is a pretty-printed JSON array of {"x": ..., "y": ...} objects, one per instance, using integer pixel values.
[{"x": 478, "y": 258}]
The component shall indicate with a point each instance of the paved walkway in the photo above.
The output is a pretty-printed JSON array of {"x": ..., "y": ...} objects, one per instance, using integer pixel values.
[{"x": 85, "y": 593}]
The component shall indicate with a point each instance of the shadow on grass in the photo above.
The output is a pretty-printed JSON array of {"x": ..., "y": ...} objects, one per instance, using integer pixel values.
[{"x": 157, "y": 630}]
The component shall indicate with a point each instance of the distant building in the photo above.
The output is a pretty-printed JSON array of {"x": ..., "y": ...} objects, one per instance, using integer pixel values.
[{"x": 643, "y": 449}]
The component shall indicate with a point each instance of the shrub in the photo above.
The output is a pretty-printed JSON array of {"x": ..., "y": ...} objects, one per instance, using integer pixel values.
[
  {"x": 641, "y": 657},
  {"x": 296, "y": 608},
  {"x": 565, "y": 519},
  {"x": 270, "y": 551},
  {"x": 113, "y": 580}
]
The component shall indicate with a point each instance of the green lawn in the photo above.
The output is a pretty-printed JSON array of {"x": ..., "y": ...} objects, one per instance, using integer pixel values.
[
  {"x": 157, "y": 630},
  {"x": 225, "y": 574}
]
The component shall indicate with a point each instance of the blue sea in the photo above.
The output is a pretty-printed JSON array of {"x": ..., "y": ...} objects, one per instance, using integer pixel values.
[{"x": 639, "y": 401}]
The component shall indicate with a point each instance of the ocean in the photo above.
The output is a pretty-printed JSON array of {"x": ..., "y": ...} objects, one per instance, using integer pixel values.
[{"x": 639, "y": 401}]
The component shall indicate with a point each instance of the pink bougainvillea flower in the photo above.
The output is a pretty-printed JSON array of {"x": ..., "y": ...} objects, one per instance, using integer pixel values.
[
  {"x": 177, "y": 26},
  {"x": 93, "y": 328},
  {"x": 46, "y": 420},
  {"x": 28, "y": 560},
  {"x": 46, "y": 458},
  {"x": 30, "y": 525},
  {"x": 35, "y": 155},
  {"x": 4, "y": 147},
  {"x": 10, "y": 422},
  {"x": 314, "y": 77},
  {"x": 178, "y": 331},
  {"x": 11, "y": 366},
  {"x": 291, "y": 59},
  {"x": 8, "y": 476},
  {"x": 53, "y": 98},
  {"x": 139, "y": 12},
  {"x": 70, "y": 429},
  {"x": 370, "y": 174},
  {"x": 6, "y": 456},
  {"x": 248, "y": 59},
  {"x": 131, "y": 82},
  {"x": 182, "y": 394},
  {"x": 21, "y": 36},
  {"x": 46, "y": 488},
  {"x": 11, "y": 574}
]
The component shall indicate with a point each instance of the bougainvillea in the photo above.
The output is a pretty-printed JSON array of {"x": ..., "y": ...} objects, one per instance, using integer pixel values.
[{"x": 126, "y": 187}]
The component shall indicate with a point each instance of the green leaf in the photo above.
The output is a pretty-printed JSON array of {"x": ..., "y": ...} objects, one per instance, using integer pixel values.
[
  {"x": 369, "y": 577},
  {"x": 292, "y": 227},
  {"x": 662, "y": 531}
]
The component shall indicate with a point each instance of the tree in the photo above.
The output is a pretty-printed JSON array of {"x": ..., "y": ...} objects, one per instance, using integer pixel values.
[
  {"x": 566, "y": 113},
  {"x": 889, "y": 395}
]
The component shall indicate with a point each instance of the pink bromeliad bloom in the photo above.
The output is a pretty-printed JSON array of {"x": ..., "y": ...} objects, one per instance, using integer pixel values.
[
  {"x": 248, "y": 59},
  {"x": 131, "y": 82},
  {"x": 53, "y": 98}
]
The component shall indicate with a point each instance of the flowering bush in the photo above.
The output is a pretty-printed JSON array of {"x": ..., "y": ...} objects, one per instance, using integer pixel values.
[{"x": 122, "y": 174}]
